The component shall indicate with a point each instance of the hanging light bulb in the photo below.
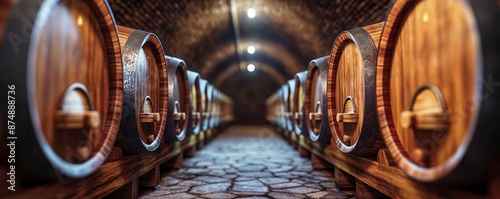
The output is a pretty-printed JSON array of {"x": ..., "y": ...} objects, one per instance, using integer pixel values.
[
  {"x": 251, "y": 13},
  {"x": 250, "y": 68},
  {"x": 251, "y": 49}
]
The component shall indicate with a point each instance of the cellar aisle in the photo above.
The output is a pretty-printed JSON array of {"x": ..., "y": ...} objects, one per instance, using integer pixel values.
[{"x": 247, "y": 162}]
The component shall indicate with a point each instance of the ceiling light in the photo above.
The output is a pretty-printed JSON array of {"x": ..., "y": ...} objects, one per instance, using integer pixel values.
[
  {"x": 251, "y": 13},
  {"x": 250, "y": 68},
  {"x": 251, "y": 49}
]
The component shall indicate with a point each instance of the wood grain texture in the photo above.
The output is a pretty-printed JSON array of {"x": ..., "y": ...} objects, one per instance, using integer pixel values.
[
  {"x": 196, "y": 102},
  {"x": 76, "y": 43},
  {"x": 150, "y": 178},
  {"x": 298, "y": 102},
  {"x": 419, "y": 47},
  {"x": 130, "y": 190},
  {"x": 351, "y": 91},
  {"x": 179, "y": 101},
  {"x": 385, "y": 158},
  {"x": 315, "y": 100},
  {"x": 344, "y": 180},
  {"x": 319, "y": 163},
  {"x": 115, "y": 154},
  {"x": 145, "y": 90},
  {"x": 109, "y": 177},
  {"x": 390, "y": 181},
  {"x": 365, "y": 191}
]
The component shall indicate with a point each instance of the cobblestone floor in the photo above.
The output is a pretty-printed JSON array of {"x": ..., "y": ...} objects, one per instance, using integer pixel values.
[{"x": 246, "y": 162}]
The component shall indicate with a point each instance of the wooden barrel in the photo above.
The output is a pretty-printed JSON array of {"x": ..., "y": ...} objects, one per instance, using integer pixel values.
[
  {"x": 272, "y": 109},
  {"x": 290, "y": 121},
  {"x": 67, "y": 74},
  {"x": 179, "y": 101},
  {"x": 227, "y": 111},
  {"x": 208, "y": 107},
  {"x": 298, "y": 102},
  {"x": 145, "y": 91},
  {"x": 216, "y": 108},
  {"x": 352, "y": 109},
  {"x": 196, "y": 100},
  {"x": 315, "y": 102},
  {"x": 275, "y": 108},
  {"x": 437, "y": 71},
  {"x": 206, "y": 99},
  {"x": 283, "y": 122}
]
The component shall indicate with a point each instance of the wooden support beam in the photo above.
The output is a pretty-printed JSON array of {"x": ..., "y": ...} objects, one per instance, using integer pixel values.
[
  {"x": 343, "y": 180},
  {"x": 174, "y": 163},
  {"x": 108, "y": 178},
  {"x": 201, "y": 140},
  {"x": 151, "y": 179},
  {"x": 190, "y": 152},
  {"x": 303, "y": 150},
  {"x": 366, "y": 192},
  {"x": 294, "y": 140},
  {"x": 130, "y": 190},
  {"x": 318, "y": 162}
]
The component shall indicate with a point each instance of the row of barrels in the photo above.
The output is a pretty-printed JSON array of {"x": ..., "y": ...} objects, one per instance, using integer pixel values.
[
  {"x": 75, "y": 84},
  {"x": 421, "y": 84}
]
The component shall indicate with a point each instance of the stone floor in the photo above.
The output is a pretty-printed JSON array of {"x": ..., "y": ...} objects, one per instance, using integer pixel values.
[{"x": 247, "y": 162}]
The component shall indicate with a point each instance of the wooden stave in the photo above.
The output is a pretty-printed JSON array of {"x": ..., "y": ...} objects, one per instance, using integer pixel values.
[
  {"x": 366, "y": 40},
  {"x": 321, "y": 65},
  {"x": 194, "y": 81},
  {"x": 290, "y": 126},
  {"x": 132, "y": 42},
  {"x": 459, "y": 172},
  {"x": 34, "y": 150},
  {"x": 300, "y": 84},
  {"x": 175, "y": 65}
]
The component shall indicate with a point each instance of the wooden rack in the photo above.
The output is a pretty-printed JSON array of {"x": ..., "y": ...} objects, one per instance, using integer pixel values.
[
  {"x": 372, "y": 178},
  {"x": 121, "y": 178}
]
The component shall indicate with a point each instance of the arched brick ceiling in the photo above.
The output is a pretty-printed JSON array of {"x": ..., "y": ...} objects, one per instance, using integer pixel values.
[{"x": 288, "y": 34}]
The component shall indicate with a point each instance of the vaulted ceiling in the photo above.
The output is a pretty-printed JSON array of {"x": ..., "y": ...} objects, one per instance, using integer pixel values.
[{"x": 212, "y": 37}]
